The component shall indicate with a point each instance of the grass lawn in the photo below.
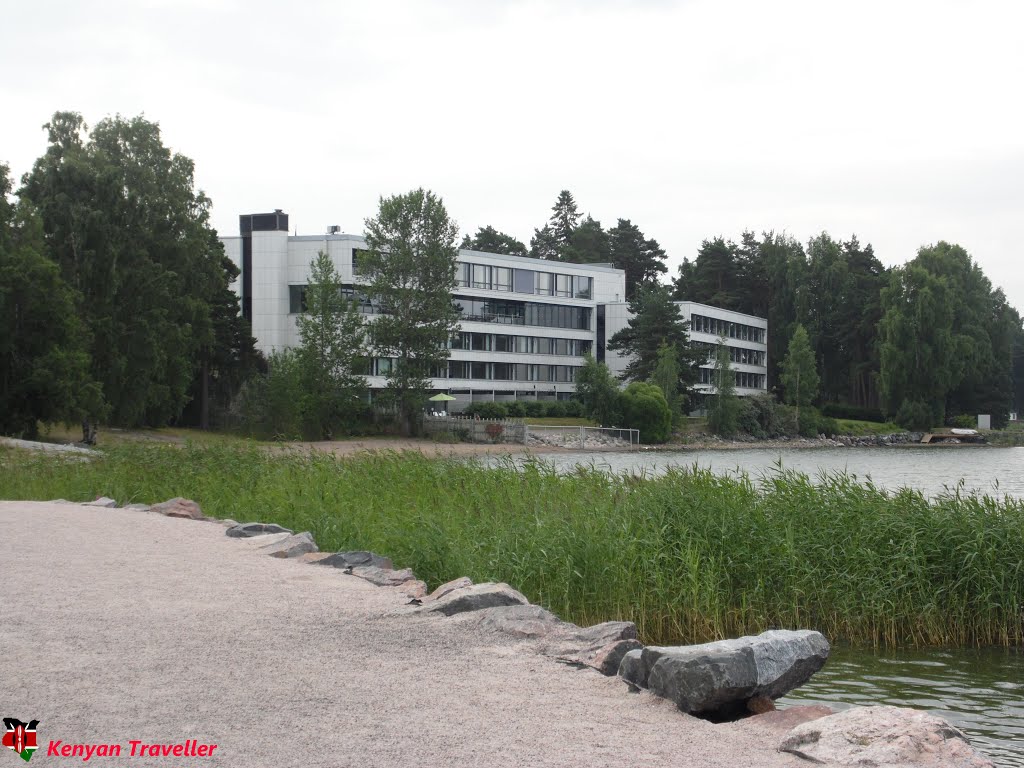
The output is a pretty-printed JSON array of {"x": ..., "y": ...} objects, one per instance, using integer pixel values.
[{"x": 861, "y": 428}]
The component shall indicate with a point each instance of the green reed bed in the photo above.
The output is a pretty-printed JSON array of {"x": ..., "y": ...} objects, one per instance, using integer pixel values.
[{"x": 689, "y": 556}]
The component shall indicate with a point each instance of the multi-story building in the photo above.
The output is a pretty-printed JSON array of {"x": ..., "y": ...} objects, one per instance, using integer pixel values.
[
  {"x": 525, "y": 326},
  {"x": 525, "y": 323},
  {"x": 745, "y": 336}
]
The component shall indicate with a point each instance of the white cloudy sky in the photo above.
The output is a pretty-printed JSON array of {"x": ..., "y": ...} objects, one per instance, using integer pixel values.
[{"x": 900, "y": 121}]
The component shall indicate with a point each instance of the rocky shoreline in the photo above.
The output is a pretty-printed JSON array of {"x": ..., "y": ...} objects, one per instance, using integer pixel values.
[{"x": 718, "y": 681}]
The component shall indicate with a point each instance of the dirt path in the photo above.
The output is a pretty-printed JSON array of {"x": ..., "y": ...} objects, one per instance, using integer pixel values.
[{"x": 118, "y": 625}]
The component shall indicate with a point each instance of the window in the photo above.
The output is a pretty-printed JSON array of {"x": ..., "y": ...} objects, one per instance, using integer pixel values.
[
  {"x": 478, "y": 371},
  {"x": 525, "y": 281},
  {"x": 504, "y": 343},
  {"x": 481, "y": 342},
  {"x": 358, "y": 256},
  {"x": 583, "y": 287},
  {"x": 561, "y": 346},
  {"x": 463, "y": 274},
  {"x": 481, "y": 276},
  {"x": 544, "y": 283},
  {"x": 504, "y": 371},
  {"x": 562, "y": 283},
  {"x": 502, "y": 278},
  {"x": 296, "y": 299},
  {"x": 384, "y": 366},
  {"x": 458, "y": 369}
]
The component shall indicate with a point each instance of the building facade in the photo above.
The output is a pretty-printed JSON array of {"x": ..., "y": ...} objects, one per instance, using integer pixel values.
[
  {"x": 525, "y": 325},
  {"x": 745, "y": 336}
]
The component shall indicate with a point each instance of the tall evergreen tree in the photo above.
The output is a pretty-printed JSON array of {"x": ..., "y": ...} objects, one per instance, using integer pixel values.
[
  {"x": 544, "y": 245},
  {"x": 597, "y": 389},
  {"x": 655, "y": 321},
  {"x": 410, "y": 270},
  {"x": 641, "y": 258},
  {"x": 590, "y": 244},
  {"x": 666, "y": 377},
  {"x": 490, "y": 240},
  {"x": 564, "y": 220}
]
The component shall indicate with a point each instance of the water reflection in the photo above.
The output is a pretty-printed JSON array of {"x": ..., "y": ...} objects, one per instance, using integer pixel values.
[{"x": 978, "y": 690}]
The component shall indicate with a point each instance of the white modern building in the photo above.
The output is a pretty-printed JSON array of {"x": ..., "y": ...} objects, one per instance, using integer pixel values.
[
  {"x": 526, "y": 323},
  {"x": 746, "y": 337}
]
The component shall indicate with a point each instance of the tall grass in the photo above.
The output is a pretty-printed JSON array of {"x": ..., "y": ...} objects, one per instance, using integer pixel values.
[{"x": 689, "y": 556}]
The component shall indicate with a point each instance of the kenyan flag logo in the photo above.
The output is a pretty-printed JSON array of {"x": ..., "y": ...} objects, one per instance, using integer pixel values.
[{"x": 21, "y": 737}]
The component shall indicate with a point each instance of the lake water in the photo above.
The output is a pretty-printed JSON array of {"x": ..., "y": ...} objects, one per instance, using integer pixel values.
[
  {"x": 979, "y": 691},
  {"x": 995, "y": 471}
]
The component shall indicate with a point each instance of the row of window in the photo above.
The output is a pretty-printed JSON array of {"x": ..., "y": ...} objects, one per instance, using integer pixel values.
[
  {"x": 478, "y": 310},
  {"x": 736, "y": 354},
  {"x": 743, "y": 379},
  {"x": 534, "y": 345},
  {"x": 468, "y": 369},
  {"x": 523, "y": 313},
  {"x": 490, "y": 278},
  {"x": 731, "y": 330}
]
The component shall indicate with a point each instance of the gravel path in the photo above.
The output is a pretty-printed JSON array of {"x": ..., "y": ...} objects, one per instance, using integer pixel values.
[{"x": 117, "y": 625}]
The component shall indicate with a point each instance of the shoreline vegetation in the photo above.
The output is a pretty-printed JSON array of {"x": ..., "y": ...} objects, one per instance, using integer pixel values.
[{"x": 688, "y": 556}]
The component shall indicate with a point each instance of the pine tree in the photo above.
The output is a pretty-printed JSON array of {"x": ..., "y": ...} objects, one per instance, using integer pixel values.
[
  {"x": 800, "y": 372},
  {"x": 563, "y": 222}
]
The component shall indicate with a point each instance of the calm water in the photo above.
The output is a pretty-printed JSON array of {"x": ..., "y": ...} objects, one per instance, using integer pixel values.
[
  {"x": 980, "y": 691},
  {"x": 995, "y": 471}
]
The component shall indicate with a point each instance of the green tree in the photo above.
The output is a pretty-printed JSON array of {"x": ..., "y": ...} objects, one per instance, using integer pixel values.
[
  {"x": 800, "y": 372},
  {"x": 409, "y": 268},
  {"x": 544, "y": 245},
  {"x": 642, "y": 259},
  {"x": 655, "y": 321},
  {"x": 131, "y": 236},
  {"x": 597, "y": 389},
  {"x": 332, "y": 351},
  {"x": 44, "y": 362},
  {"x": 490, "y": 240},
  {"x": 919, "y": 350},
  {"x": 666, "y": 377},
  {"x": 564, "y": 219},
  {"x": 644, "y": 408},
  {"x": 590, "y": 244},
  {"x": 724, "y": 406}
]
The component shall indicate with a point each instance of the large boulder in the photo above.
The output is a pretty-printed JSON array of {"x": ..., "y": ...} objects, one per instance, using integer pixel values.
[
  {"x": 600, "y": 646},
  {"x": 248, "y": 530},
  {"x": 476, "y": 598},
  {"x": 883, "y": 736},
  {"x": 292, "y": 546},
  {"x": 384, "y": 577},
  {"x": 450, "y": 586},
  {"x": 357, "y": 559},
  {"x": 179, "y": 507},
  {"x": 718, "y": 679}
]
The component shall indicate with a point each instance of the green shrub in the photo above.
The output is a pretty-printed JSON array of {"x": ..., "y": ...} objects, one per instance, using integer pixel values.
[
  {"x": 644, "y": 407},
  {"x": 556, "y": 410},
  {"x": 534, "y": 408},
  {"x": 574, "y": 409},
  {"x": 515, "y": 409},
  {"x": 914, "y": 415},
  {"x": 489, "y": 410}
]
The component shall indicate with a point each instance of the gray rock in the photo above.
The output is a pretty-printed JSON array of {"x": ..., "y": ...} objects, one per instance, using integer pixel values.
[
  {"x": 717, "y": 679},
  {"x": 102, "y": 501},
  {"x": 384, "y": 577},
  {"x": 357, "y": 559},
  {"x": 608, "y": 658},
  {"x": 450, "y": 586},
  {"x": 139, "y": 507},
  {"x": 179, "y": 507},
  {"x": 293, "y": 546},
  {"x": 632, "y": 669},
  {"x": 525, "y": 621},
  {"x": 601, "y": 646},
  {"x": 476, "y": 598},
  {"x": 883, "y": 736},
  {"x": 248, "y": 530}
]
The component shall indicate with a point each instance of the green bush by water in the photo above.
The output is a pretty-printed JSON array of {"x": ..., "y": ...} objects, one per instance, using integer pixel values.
[{"x": 689, "y": 556}]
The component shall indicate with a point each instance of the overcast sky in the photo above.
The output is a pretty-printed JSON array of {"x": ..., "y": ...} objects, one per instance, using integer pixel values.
[{"x": 901, "y": 122}]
